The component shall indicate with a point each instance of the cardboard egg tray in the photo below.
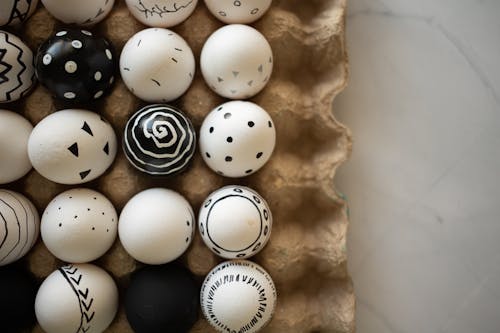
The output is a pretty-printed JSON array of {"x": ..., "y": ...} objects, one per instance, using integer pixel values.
[{"x": 306, "y": 255}]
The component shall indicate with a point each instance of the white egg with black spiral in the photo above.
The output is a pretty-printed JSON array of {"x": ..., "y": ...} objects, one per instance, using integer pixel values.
[
  {"x": 19, "y": 226},
  {"x": 237, "y": 138},
  {"x": 159, "y": 140},
  {"x": 17, "y": 72},
  {"x": 235, "y": 222}
]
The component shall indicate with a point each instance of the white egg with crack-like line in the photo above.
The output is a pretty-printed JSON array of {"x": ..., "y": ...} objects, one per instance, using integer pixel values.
[
  {"x": 79, "y": 225},
  {"x": 237, "y": 138},
  {"x": 77, "y": 298},
  {"x": 161, "y": 13},
  {"x": 157, "y": 65},
  {"x": 83, "y": 13},
  {"x": 238, "y": 11},
  {"x": 15, "y": 131},
  {"x": 236, "y": 61},
  {"x": 72, "y": 146},
  {"x": 235, "y": 222}
]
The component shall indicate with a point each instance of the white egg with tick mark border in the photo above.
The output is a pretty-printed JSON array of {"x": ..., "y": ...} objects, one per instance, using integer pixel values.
[
  {"x": 157, "y": 65},
  {"x": 161, "y": 13},
  {"x": 72, "y": 146},
  {"x": 79, "y": 225}
]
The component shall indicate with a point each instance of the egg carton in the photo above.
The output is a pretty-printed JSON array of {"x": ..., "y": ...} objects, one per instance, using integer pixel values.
[{"x": 306, "y": 255}]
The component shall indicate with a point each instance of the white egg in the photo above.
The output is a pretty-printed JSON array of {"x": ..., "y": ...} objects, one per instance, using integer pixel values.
[
  {"x": 235, "y": 222},
  {"x": 238, "y": 296},
  {"x": 236, "y": 61},
  {"x": 83, "y": 13},
  {"x": 161, "y": 13},
  {"x": 244, "y": 11},
  {"x": 77, "y": 298},
  {"x": 17, "y": 73},
  {"x": 14, "y": 12},
  {"x": 72, "y": 146},
  {"x": 14, "y": 134},
  {"x": 156, "y": 226},
  {"x": 237, "y": 138},
  {"x": 157, "y": 65},
  {"x": 19, "y": 228},
  {"x": 79, "y": 225}
]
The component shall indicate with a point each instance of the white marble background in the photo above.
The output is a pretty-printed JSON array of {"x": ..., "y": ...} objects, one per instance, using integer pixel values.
[{"x": 424, "y": 179}]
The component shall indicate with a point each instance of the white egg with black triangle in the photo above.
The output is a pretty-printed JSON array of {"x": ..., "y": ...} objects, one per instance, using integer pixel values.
[{"x": 72, "y": 146}]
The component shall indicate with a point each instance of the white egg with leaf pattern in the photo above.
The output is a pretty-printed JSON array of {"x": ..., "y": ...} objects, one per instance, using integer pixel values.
[{"x": 83, "y": 13}]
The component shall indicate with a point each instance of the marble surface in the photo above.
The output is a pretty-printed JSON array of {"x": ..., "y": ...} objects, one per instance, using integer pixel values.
[{"x": 423, "y": 182}]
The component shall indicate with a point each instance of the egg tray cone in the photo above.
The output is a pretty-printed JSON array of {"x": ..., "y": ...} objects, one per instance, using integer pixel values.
[{"x": 306, "y": 255}]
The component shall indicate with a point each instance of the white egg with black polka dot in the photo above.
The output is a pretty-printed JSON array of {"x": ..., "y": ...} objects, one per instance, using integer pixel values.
[
  {"x": 237, "y": 138},
  {"x": 238, "y": 11},
  {"x": 79, "y": 225}
]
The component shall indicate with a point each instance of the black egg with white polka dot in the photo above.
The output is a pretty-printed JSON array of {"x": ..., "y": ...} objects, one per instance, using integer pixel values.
[{"x": 76, "y": 66}]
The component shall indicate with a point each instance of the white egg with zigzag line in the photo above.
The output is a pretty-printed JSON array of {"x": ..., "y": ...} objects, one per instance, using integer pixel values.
[
  {"x": 159, "y": 140},
  {"x": 17, "y": 73}
]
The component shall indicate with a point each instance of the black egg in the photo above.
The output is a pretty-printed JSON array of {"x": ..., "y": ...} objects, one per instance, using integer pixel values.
[
  {"x": 162, "y": 299},
  {"x": 17, "y": 299},
  {"x": 76, "y": 66},
  {"x": 159, "y": 140}
]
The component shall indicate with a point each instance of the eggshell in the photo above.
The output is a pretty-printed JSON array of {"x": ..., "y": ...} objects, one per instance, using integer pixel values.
[
  {"x": 72, "y": 146},
  {"x": 244, "y": 11},
  {"x": 76, "y": 298},
  {"x": 237, "y": 138},
  {"x": 17, "y": 304},
  {"x": 236, "y": 61},
  {"x": 235, "y": 222},
  {"x": 79, "y": 225},
  {"x": 157, "y": 65},
  {"x": 17, "y": 73},
  {"x": 156, "y": 226},
  {"x": 238, "y": 296},
  {"x": 161, "y": 13},
  {"x": 14, "y": 134},
  {"x": 14, "y": 12},
  {"x": 19, "y": 226},
  {"x": 83, "y": 13},
  {"x": 167, "y": 289}
]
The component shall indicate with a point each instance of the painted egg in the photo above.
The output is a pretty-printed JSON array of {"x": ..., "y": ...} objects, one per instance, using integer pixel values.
[
  {"x": 156, "y": 226},
  {"x": 237, "y": 138},
  {"x": 72, "y": 146},
  {"x": 76, "y": 66},
  {"x": 168, "y": 289},
  {"x": 244, "y": 11},
  {"x": 79, "y": 225},
  {"x": 238, "y": 296},
  {"x": 161, "y": 13},
  {"x": 14, "y": 12},
  {"x": 235, "y": 222},
  {"x": 159, "y": 140},
  {"x": 77, "y": 298},
  {"x": 17, "y": 73},
  {"x": 17, "y": 304},
  {"x": 15, "y": 131},
  {"x": 157, "y": 65},
  {"x": 236, "y": 61},
  {"x": 20, "y": 228},
  {"x": 83, "y": 13}
]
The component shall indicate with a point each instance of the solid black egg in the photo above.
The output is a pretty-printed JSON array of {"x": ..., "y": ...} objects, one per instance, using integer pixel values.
[
  {"x": 76, "y": 66},
  {"x": 17, "y": 299},
  {"x": 163, "y": 299}
]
